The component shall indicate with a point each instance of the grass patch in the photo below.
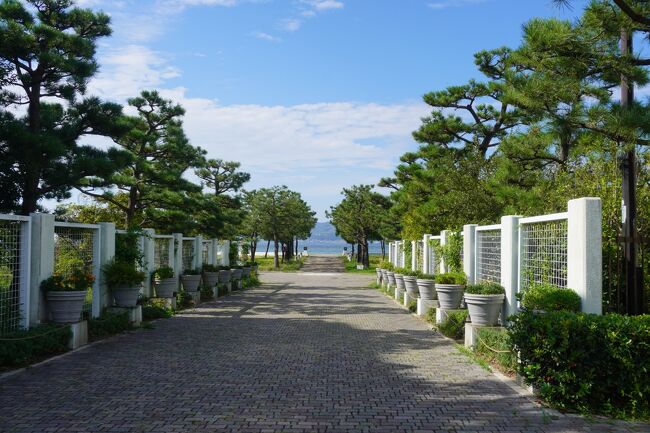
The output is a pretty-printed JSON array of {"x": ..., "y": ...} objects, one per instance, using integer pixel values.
[
  {"x": 472, "y": 356},
  {"x": 351, "y": 265},
  {"x": 454, "y": 325},
  {"x": 430, "y": 316},
  {"x": 495, "y": 347},
  {"x": 266, "y": 264},
  {"x": 413, "y": 306}
]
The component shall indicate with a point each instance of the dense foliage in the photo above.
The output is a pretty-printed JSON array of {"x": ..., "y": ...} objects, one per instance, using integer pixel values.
[
  {"x": 546, "y": 297},
  {"x": 586, "y": 362},
  {"x": 485, "y": 289},
  {"x": 453, "y": 326},
  {"x": 108, "y": 324},
  {"x": 22, "y": 348}
]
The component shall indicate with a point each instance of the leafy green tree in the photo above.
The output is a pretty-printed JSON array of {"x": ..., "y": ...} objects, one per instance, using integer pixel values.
[
  {"x": 151, "y": 188},
  {"x": 47, "y": 50},
  {"x": 359, "y": 216}
]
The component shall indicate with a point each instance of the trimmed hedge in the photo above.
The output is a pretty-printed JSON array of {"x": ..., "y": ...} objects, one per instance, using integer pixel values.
[
  {"x": 108, "y": 324},
  {"x": 22, "y": 348},
  {"x": 547, "y": 297},
  {"x": 585, "y": 362}
]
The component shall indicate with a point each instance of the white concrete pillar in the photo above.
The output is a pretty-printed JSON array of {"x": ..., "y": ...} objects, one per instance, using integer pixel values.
[
  {"x": 225, "y": 253},
  {"x": 148, "y": 265},
  {"x": 390, "y": 253},
  {"x": 414, "y": 256},
  {"x": 510, "y": 261},
  {"x": 198, "y": 252},
  {"x": 101, "y": 294},
  {"x": 584, "y": 252},
  {"x": 426, "y": 251},
  {"x": 444, "y": 235},
  {"x": 215, "y": 252},
  {"x": 41, "y": 264},
  {"x": 469, "y": 252},
  {"x": 178, "y": 258}
]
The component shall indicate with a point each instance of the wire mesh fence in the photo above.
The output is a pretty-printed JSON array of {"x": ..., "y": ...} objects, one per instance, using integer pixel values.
[
  {"x": 11, "y": 233},
  {"x": 434, "y": 256},
  {"x": 188, "y": 253},
  {"x": 161, "y": 251},
  {"x": 543, "y": 253},
  {"x": 74, "y": 249},
  {"x": 488, "y": 255},
  {"x": 419, "y": 249},
  {"x": 205, "y": 252}
]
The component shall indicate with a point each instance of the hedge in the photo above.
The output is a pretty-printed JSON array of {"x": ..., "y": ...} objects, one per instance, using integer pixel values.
[
  {"x": 585, "y": 362},
  {"x": 22, "y": 348}
]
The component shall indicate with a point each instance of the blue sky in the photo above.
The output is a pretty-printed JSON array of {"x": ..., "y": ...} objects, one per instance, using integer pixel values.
[{"x": 314, "y": 94}]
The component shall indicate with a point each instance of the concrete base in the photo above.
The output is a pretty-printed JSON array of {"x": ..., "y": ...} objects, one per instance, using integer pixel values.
[
  {"x": 425, "y": 305},
  {"x": 79, "y": 334},
  {"x": 166, "y": 302},
  {"x": 229, "y": 287},
  {"x": 471, "y": 333},
  {"x": 398, "y": 292},
  {"x": 240, "y": 285},
  {"x": 196, "y": 297},
  {"x": 407, "y": 299},
  {"x": 215, "y": 291},
  {"x": 134, "y": 313},
  {"x": 441, "y": 314}
]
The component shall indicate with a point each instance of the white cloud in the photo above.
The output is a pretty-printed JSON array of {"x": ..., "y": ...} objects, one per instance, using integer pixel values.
[
  {"x": 454, "y": 3},
  {"x": 322, "y": 5},
  {"x": 291, "y": 24},
  {"x": 265, "y": 37},
  {"x": 309, "y": 9}
]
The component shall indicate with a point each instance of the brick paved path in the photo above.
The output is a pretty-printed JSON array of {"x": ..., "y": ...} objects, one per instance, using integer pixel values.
[
  {"x": 307, "y": 353},
  {"x": 323, "y": 264}
]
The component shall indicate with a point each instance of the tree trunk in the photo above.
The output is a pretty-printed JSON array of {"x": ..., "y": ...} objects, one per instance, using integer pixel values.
[
  {"x": 288, "y": 250},
  {"x": 296, "y": 247},
  {"x": 276, "y": 259},
  {"x": 366, "y": 255},
  {"x": 382, "y": 243},
  {"x": 253, "y": 249},
  {"x": 268, "y": 244}
]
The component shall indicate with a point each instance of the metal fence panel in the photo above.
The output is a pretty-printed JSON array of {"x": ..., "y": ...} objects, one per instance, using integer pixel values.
[
  {"x": 488, "y": 255},
  {"x": 543, "y": 253},
  {"x": 14, "y": 273}
]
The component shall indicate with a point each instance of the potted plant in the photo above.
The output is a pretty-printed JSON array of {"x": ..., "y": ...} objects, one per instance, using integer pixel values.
[
  {"x": 410, "y": 283},
  {"x": 210, "y": 275},
  {"x": 399, "y": 279},
  {"x": 427, "y": 287},
  {"x": 449, "y": 287},
  {"x": 236, "y": 273},
  {"x": 164, "y": 282},
  {"x": 66, "y": 295},
  {"x": 191, "y": 280},
  {"x": 484, "y": 302},
  {"x": 123, "y": 280},
  {"x": 246, "y": 271},
  {"x": 224, "y": 274},
  {"x": 390, "y": 276},
  {"x": 254, "y": 265}
]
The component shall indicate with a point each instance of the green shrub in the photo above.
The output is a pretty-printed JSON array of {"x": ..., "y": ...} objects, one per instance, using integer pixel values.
[
  {"x": 431, "y": 277},
  {"x": 485, "y": 289},
  {"x": 118, "y": 274},
  {"x": 210, "y": 268},
  {"x": 454, "y": 324},
  {"x": 586, "y": 362},
  {"x": 495, "y": 347},
  {"x": 21, "y": 348},
  {"x": 549, "y": 298},
  {"x": 451, "y": 278},
  {"x": 412, "y": 273},
  {"x": 413, "y": 306},
  {"x": 430, "y": 316},
  {"x": 108, "y": 324},
  {"x": 207, "y": 293},
  {"x": 192, "y": 272},
  {"x": 222, "y": 289},
  {"x": 251, "y": 281},
  {"x": 184, "y": 299},
  {"x": 401, "y": 271},
  {"x": 153, "y": 312},
  {"x": 163, "y": 272}
]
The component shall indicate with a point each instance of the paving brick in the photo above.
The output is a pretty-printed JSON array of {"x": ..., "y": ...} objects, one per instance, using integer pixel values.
[{"x": 304, "y": 353}]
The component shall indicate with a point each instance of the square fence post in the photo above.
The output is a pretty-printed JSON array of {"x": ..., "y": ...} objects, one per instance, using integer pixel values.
[
  {"x": 443, "y": 241},
  {"x": 584, "y": 252},
  {"x": 414, "y": 255},
  {"x": 41, "y": 263},
  {"x": 198, "y": 251},
  {"x": 225, "y": 253},
  {"x": 101, "y": 294},
  {"x": 426, "y": 251},
  {"x": 148, "y": 244},
  {"x": 215, "y": 252},
  {"x": 469, "y": 252},
  {"x": 510, "y": 262},
  {"x": 178, "y": 257}
]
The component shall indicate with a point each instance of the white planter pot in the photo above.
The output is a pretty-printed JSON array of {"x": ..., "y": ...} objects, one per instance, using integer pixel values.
[
  {"x": 236, "y": 274},
  {"x": 384, "y": 277},
  {"x": 191, "y": 282},
  {"x": 399, "y": 281},
  {"x": 484, "y": 309},
  {"x": 65, "y": 307},
  {"x": 224, "y": 276},
  {"x": 166, "y": 287},
  {"x": 392, "y": 281},
  {"x": 411, "y": 286},
  {"x": 449, "y": 295},
  {"x": 210, "y": 279},
  {"x": 126, "y": 296},
  {"x": 427, "y": 289},
  {"x": 246, "y": 272}
]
